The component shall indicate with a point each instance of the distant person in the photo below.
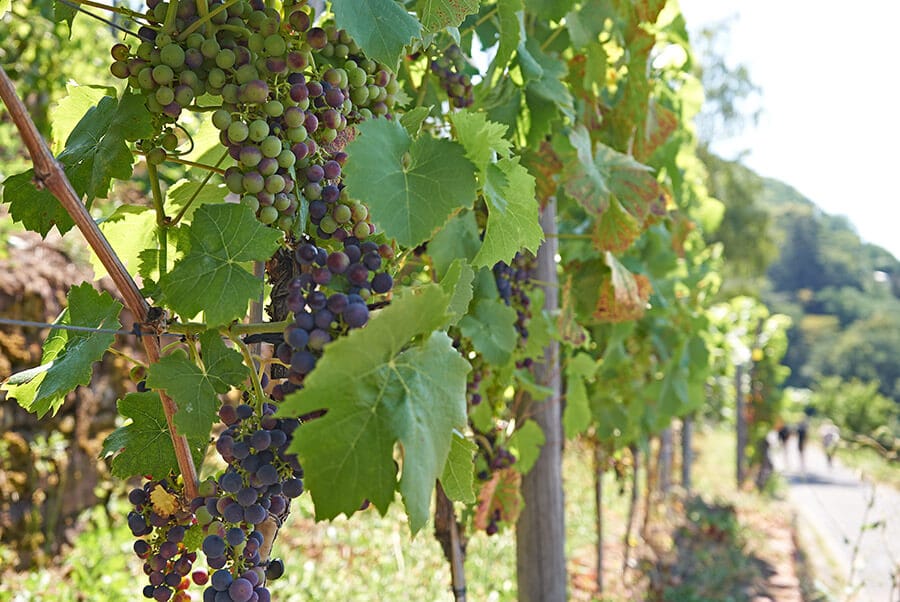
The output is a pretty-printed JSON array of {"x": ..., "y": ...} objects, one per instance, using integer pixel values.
[
  {"x": 831, "y": 435},
  {"x": 801, "y": 442},
  {"x": 784, "y": 434}
]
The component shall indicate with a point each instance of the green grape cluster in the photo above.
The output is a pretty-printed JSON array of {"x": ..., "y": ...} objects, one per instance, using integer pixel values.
[{"x": 285, "y": 96}]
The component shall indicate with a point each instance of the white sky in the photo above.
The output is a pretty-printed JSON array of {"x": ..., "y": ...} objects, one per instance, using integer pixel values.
[{"x": 830, "y": 80}]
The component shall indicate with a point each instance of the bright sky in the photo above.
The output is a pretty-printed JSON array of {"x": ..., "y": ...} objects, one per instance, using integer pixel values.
[{"x": 831, "y": 118}]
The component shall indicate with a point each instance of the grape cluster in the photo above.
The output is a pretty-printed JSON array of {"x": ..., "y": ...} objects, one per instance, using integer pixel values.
[
  {"x": 512, "y": 284},
  {"x": 255, "y": 488},
  {"x": 449, "y": 69},
  {"x": 290, "y": 94},
  {"x": 492, "y": 457},
  {"x": 328, "y": 299},
  {"x": 160, "y": 525}
]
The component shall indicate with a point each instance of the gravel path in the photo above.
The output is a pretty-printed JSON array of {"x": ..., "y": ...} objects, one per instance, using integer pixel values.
[{"x": 852, "y": 519}]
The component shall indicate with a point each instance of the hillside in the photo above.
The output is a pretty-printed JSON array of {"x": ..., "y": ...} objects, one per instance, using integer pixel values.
[{"x": 842, "y": 293}]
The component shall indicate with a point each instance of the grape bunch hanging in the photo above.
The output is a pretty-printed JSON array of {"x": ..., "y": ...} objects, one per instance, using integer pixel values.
[{"x": 285, "y": 96}]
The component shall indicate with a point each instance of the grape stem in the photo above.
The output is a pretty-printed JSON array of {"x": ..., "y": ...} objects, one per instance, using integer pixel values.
[
  {"x": 254, "y": 370},
  {"x": 205, "y": 17},
  {"x": 192, "y": 328},
  {"x": 50, "y": 175},
  {"x": 174, "y": 159},
  {"x": 212, "y": 170},
  {"x": 171, "y": 15},
  {"x": 113, "y": 9},
  {"x": 124, "y": 355}
]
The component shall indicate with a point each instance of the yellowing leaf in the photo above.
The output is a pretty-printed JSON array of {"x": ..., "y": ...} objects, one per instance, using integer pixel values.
[{"x": 164, "y": 503}]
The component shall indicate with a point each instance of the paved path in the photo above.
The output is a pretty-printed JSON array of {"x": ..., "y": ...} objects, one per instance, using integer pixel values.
[{"x": 847, "y": 512}]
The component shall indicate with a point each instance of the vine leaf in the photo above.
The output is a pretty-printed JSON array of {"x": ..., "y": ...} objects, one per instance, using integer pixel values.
[
  {"x": 593, "y": 174},
  {"x": 382, "y": 389},
  {"x": 411, "y": 186},
  {"x": 457, "y": 283},
  {"x": 509, "y": 24},
  {"x": 581, "y": 368},
  {"x": 96, "y": 151},
  {"x": 457, "y": 240},
  {"x": 501, "y": 494},
  {"x": 381, "y": 27},
  {"x": 143, "y": 446},
  {"x": 616, "y": 229},
  {"x": 459, "y": 471},
  {"x": 622, "y": 296},
  {"x": 210, "y": 276},
  {"x": 68, "y": 355},
  {"x": 513, "y": 221},
  {"x": 491, "y": 328},
  {"x": 130, "y": 229},
  {"x": 195, "y": 389},
  {"x": 438, "y": 14},
  {"x": 4, "y": 6},
  {"x": 526, "y": 444}
]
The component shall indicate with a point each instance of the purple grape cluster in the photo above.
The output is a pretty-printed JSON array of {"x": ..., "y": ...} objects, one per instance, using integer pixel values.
[
  {"x": 328, "y": 299},
  {"x": 449, "y": 69},
  {"x": 512, "y": 284},
  {"x": 256, "y": 487},
  {"x": 160, "y": 543}
]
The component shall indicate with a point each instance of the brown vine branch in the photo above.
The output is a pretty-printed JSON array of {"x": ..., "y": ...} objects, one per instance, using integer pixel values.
[{"x": 49, "y": 174}]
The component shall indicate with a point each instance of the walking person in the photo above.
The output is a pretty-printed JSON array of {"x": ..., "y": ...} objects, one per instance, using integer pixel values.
[
  {"x": 801, "y": 442},
  {"x": 831, "y": 436}
]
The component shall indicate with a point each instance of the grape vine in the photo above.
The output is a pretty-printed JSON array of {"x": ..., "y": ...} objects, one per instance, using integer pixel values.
[{"x": 385, "y": 177}]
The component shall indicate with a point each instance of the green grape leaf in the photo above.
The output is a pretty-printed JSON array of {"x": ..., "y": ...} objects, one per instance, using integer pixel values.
[
  {"x": 483, "y": 140},
  {"x": 130, "y": 230},
  {"x": 491, "y": 328},
  {"x": 96, "y": 151},
  {"x": 69, "y": 111},
  {"x": 412, "y": 120},
  {"x": 457, "y": 283},
  {"x": 438, "y": 14},
  {"x": 411, "y": 186},
  {"x": 38, "y": 210},
  {"x": 64, "y": 12},
  {"x": 547, "y": 83},
  {"x": 458, "y": 477},
  {"x": 379, "y": 391},
  {"x": 526, "y": 444},
  {"x": 381, "y": 27},
  {"x": 68, "y": 355},
  {"x": 510, "y": 25},
  {"x": 550, "y": 9},
  {"x": 513, "y": 220},
  {"x": 195, "y": 389},
  {"x": 458, "y": 239},
  {"x": 577, "y": 416},
  {"x": 210, "y": 277},
  {"x": 586, "y": 23},
  {"x": 508, "y": 188},
  {"x": 143, "y": 445},
  {"x": 4, "y": 6},
  {"x": 181, "y": 193}
]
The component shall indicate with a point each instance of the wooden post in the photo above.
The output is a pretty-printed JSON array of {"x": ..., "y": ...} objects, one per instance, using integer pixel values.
[
  {"x": 599, "y": 471},
  {"x": 740, "y": 424},
  {"x": 540, "y": 530},
  {"x": 666, "y": 451},
  {"x": 687, "y": 454}
]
